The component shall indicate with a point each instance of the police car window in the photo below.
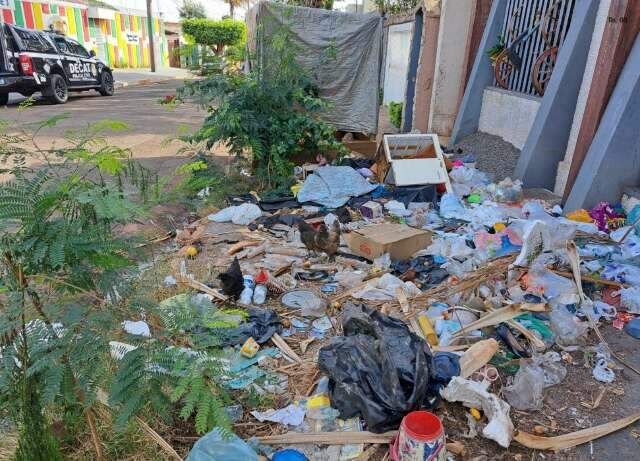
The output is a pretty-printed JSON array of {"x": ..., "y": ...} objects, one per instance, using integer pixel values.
[
  {"x": 78, "y": 49},
  {"x": 61, "y": 43},
  {"x": 33, "y": 41}
]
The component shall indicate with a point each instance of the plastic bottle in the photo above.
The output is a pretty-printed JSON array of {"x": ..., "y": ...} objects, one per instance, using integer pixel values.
[
  {"x": 246, "y": 296},
  {"x": 259, "y": 294}
]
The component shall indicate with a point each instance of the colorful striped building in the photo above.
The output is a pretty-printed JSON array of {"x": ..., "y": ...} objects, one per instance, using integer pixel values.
[{"x": 119, "y": 36}]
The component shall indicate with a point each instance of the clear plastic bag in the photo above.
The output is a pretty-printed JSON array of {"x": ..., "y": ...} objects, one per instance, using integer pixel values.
[
  {"x": 565, "y": 326},
  {"x": 526, "y": 391}
]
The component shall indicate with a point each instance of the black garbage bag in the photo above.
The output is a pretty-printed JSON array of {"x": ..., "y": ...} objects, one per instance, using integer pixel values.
[{"x": 378, "y": 370}]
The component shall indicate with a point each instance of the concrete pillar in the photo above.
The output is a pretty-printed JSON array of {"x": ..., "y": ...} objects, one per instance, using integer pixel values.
[
  {"x": 482, "y": 76},
  {"x": 455, "y": 26},
  {"x": 547, "y": 141},
  {"x": 587, "y": 79},
  {"x": 613, "y": 159},
  {"x": 426, "y": 68}
]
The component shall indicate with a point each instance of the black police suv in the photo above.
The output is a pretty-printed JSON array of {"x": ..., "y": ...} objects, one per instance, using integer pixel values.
[{"x": 48, "y": 62}]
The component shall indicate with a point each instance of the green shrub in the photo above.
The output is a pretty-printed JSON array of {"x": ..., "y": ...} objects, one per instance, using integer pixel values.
[
  {"x": 215, "y": 34},
  {"x": 270, "y": 115},
  {"x": 395, "y": 113}
]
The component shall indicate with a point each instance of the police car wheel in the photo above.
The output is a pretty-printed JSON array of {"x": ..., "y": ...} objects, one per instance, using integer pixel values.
[
  {"x": 58, "y": 92},
  {"x": 4, "y": 99},
  {"x": 106, "y": 87}
]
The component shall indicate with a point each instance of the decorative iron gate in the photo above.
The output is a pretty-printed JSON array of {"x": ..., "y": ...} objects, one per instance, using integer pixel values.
[{"x": 538, "y": 29}]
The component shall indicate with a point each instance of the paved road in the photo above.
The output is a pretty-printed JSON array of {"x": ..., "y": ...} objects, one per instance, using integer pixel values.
[{"x": 150, "y": 123}]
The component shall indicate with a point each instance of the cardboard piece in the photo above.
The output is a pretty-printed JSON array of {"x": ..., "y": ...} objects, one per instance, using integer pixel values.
[{"x": 399, "y": 240}]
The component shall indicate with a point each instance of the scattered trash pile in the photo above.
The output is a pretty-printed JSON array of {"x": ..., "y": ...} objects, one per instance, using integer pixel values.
[{"x": 372, "y": 309}]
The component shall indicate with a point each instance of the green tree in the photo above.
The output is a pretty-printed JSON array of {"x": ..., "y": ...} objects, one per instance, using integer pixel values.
[
  {"x": 215, "y": 34},
  {"x": 192, "y": 9},
  {"x": 58, "y": 261},
  {"x": 272, "y": 114},
  {"x": 324, "y": 4}
]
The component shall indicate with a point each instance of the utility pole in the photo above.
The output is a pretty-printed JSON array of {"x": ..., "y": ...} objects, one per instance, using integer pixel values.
[{"x": 152, "y": 51}]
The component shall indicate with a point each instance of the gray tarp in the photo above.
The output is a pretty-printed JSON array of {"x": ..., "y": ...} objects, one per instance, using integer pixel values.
[{"x": 341, "y": 51}]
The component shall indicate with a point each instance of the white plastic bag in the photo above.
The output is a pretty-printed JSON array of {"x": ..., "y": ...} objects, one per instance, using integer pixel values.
[{"x": 241, "y": 215}]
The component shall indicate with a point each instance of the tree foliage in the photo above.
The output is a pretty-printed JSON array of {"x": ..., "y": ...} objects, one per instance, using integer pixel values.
[
  {"x": 396, "y": 6},
  {"x": 324, "y": 4},
  {"x": 58, "y": 260},
  {"x": 215, "y": 34},
  {"x": 192, "y": 9}
]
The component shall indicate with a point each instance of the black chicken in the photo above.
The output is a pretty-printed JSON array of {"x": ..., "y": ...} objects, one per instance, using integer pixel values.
[{"x": 232, "y": 281}]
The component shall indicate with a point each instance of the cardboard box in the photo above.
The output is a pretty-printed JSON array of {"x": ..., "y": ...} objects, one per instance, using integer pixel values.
[
  {"x": 371, "y": 210},
  {"x": 399, "y": 240}
]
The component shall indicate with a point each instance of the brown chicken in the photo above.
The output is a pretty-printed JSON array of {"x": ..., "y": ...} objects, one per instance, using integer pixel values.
[{"x": 324, "y": 239}]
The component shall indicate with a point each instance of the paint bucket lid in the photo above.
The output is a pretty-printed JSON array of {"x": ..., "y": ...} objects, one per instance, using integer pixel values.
[{"x": 422, "y": 425}]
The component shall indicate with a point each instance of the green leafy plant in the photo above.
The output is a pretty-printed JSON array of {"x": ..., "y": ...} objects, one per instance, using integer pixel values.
[
  {"x": 395, "y": 113},
  {"x": 396, "y": 6},
  {"x": 215, "y": 34},
  {"x": 268, "y": 116},
  {"x": 496, "y": 49},
  {"x": 59, "y": 260}
]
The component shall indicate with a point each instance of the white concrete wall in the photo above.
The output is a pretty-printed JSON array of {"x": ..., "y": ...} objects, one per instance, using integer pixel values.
[
  {"x": 455, "y": 26},
  {"x": 594, "y": 48},
  {"x": 397, "y": 61},
  {"x": 508, "y": 114}
]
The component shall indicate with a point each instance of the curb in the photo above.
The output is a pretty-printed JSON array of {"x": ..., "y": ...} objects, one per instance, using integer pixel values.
[{"x": 146, "y": 81}]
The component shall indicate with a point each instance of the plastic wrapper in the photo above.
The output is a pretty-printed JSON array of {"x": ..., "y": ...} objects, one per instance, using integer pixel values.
[
  {"x": 215, "y": 446},
  {"x": 630, "y": 299},
  {"x": 507, "y": 191},
  {"x": 465, "y": 180},
  {"x": 397, "y": 209},
  {"x": 565, "y": 325},
  {"x": 241, "y": 214},
  {"x": 526, "y": 391},
  {"x": 623, "y": 273},
  {"x": 475, "y": 394},
  {"x": 542, "y": 281},
  {"x": 379, "y": 369},
  {"x": 452, "y": 208},
  {"x": 348, "y": 279},
  {"x": 384, "y": 289}
]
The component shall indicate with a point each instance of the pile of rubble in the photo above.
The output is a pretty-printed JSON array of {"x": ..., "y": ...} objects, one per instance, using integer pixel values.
[{"x": 366, "y": 302}]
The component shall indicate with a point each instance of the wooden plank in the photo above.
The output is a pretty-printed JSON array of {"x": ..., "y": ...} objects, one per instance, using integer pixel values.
[
  {"x": 574, "y": 439},
  {"x": 623, "y": 24},
  {"x": 200, "y": 287},
  {"x": 329, "y": 438}
]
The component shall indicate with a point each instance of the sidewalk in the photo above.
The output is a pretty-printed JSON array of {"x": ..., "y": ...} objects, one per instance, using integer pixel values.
[{"x": 142, "y": 76}]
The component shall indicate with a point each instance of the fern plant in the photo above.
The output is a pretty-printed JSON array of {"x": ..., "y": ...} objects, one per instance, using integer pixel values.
[{"x": 58, "y": 258}]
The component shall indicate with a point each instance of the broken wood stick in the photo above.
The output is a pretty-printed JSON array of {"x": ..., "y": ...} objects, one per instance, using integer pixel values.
[
  {"x": 287, "y": 251},
  {"x": 498, "y": 316},
  {"x": 402, "y": 299},
  {"x": 168, "y": 449},
  {"x": 329, "y": 438},
  {"x": 285, "y": 348},
  {"x": 200, "y": 287},
  {"x": 600, "y": 281},
  {"x": 574, "y": 439},
  {"x": 477, "y": 356},
  {"x": 257, "y": 251},
  {"x": 233, "y": 249}
]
